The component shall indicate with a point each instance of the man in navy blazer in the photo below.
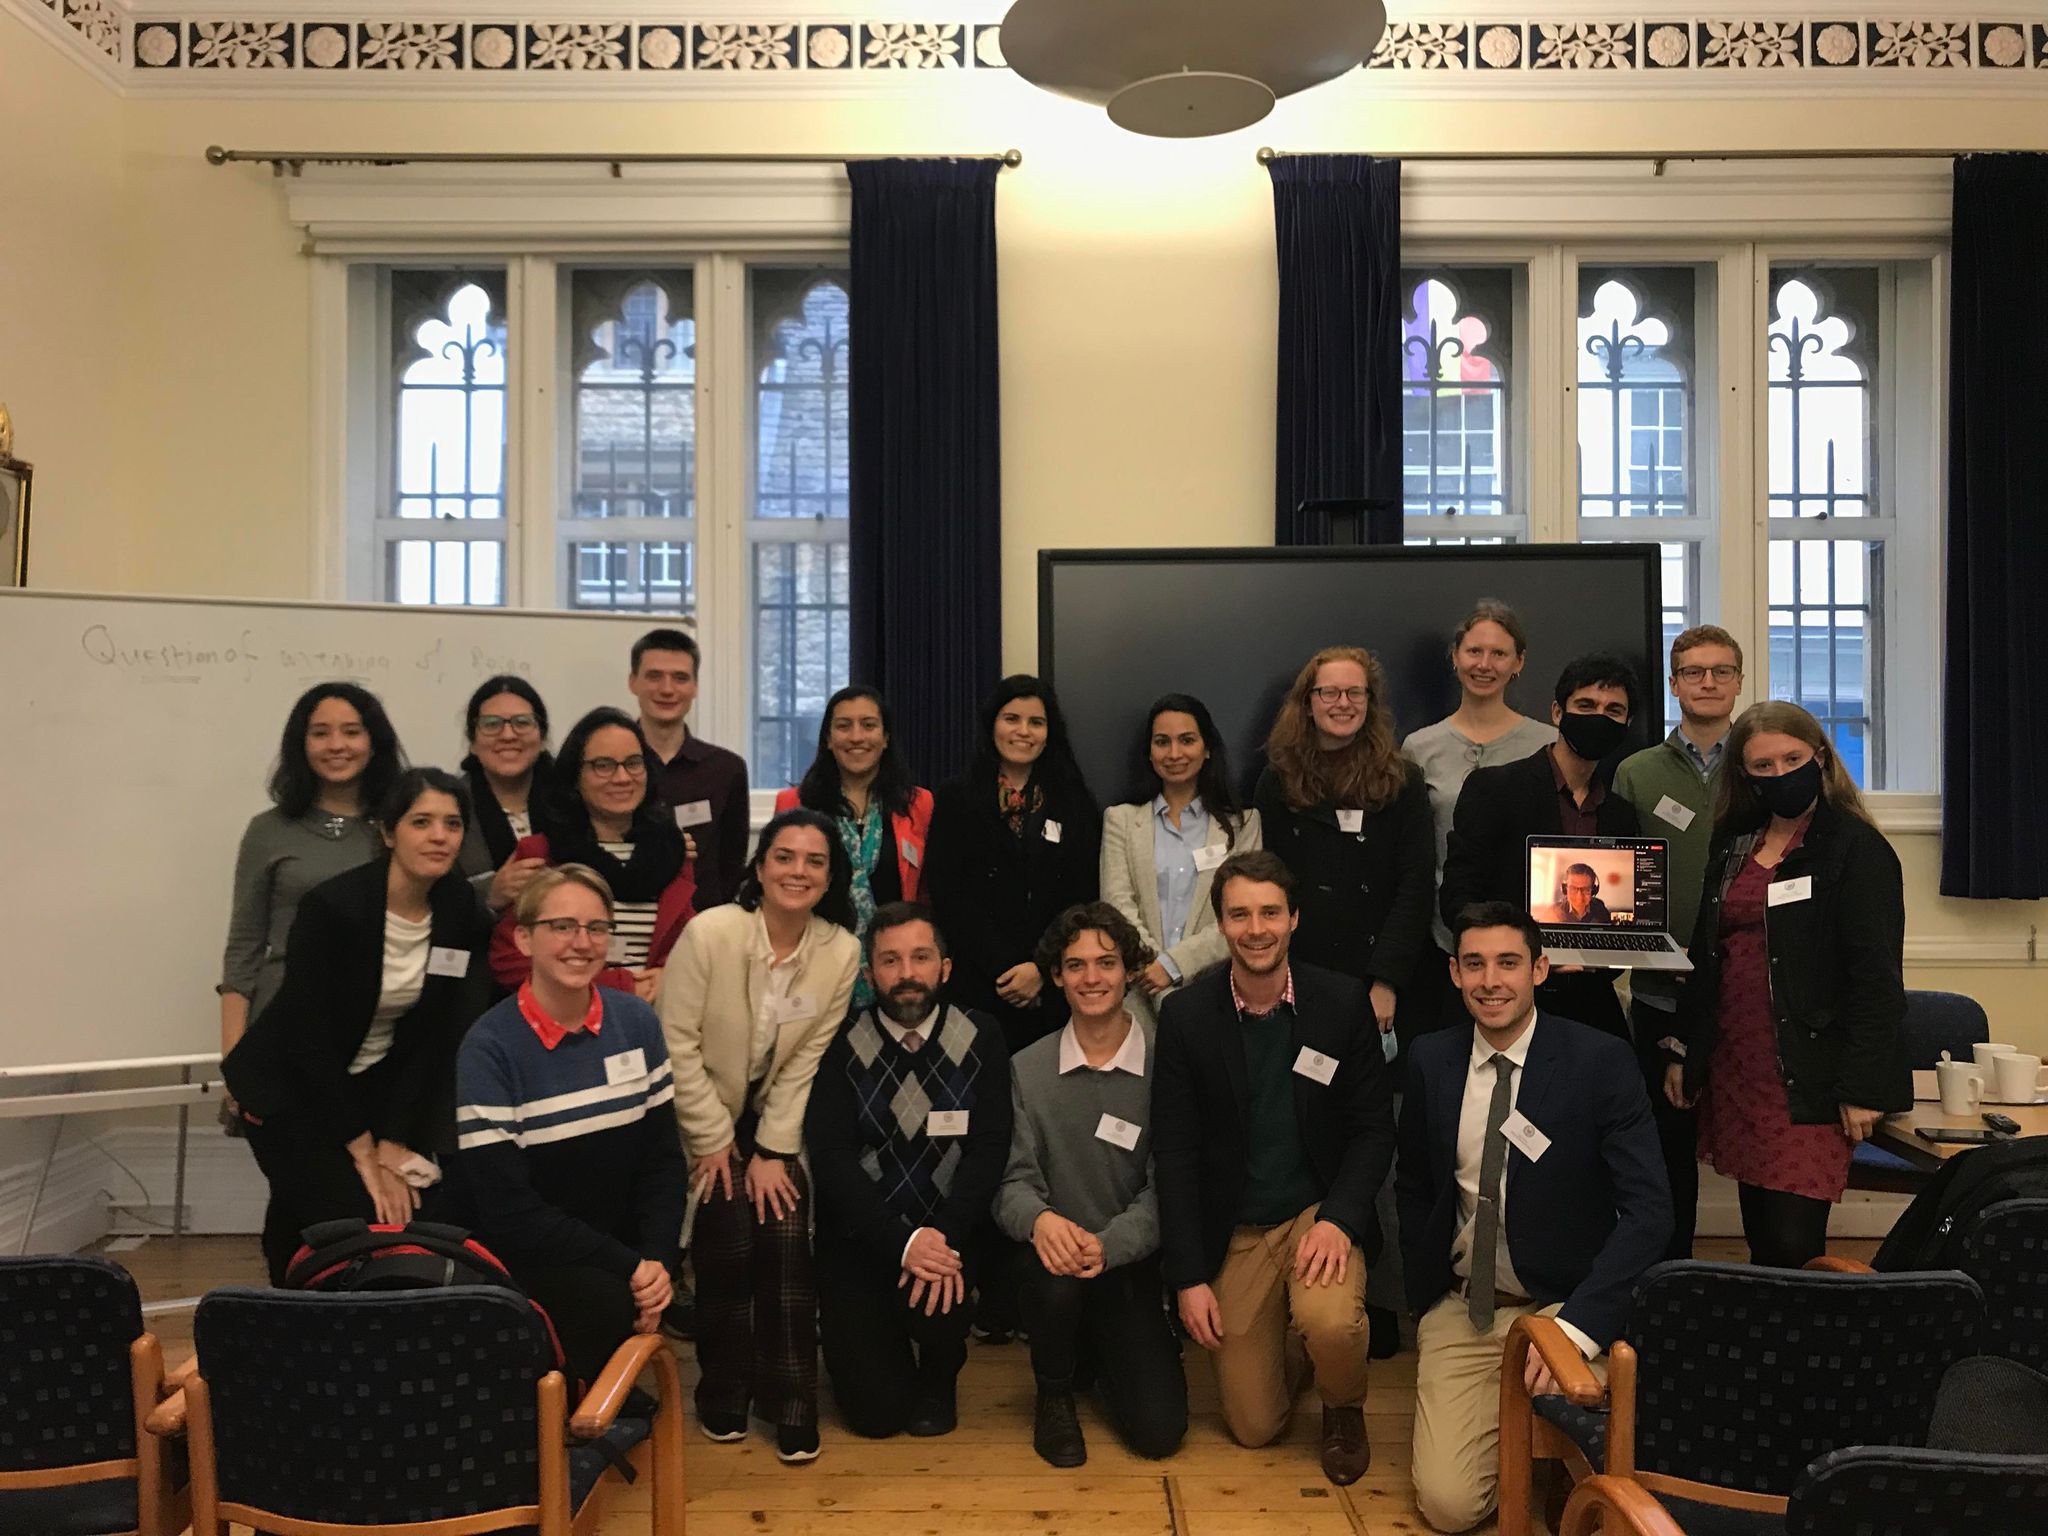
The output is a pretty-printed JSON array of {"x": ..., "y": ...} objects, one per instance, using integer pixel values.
[{"x": 1529, "y": 1179}]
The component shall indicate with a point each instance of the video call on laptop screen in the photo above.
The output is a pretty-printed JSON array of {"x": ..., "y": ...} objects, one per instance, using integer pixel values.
[{"x": 1604, "y": 882}]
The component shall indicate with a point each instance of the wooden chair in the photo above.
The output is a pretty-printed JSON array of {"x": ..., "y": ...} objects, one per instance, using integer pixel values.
[
  {"x": 78, "y": 1376},
  {"x": 427, "y": 1413},
  {"x": 1731, "y": 1379},
  {"x": 1935, "y": 1024}
]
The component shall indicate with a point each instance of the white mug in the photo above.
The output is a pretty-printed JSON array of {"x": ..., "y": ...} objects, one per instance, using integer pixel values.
[
  {"x": 1986, "y": 1054},
  {"x": 2020, "y": 1078},
  {"x": 1962, "y": 1091}
]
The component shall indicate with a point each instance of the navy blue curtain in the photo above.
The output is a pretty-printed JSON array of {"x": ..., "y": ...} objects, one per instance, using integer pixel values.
[
  {"x": 1337, "y": 225},
  {"x": 1994, "y": 814},
  {"x": 926, "y": 470}
]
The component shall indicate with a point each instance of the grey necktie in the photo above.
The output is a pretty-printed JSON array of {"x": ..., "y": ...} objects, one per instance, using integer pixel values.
[
  {"x": 912, "y": 1040},
  {"x": 1493, "y": 1161}
]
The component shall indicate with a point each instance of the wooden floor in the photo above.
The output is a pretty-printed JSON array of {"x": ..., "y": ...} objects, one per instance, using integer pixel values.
[{"x": 984, "y": 1479}]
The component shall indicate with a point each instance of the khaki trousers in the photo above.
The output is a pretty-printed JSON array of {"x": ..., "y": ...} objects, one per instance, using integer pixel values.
[
  {"x": 1456, "y": 1461},
  {"x": 1259, "y": 1300}
]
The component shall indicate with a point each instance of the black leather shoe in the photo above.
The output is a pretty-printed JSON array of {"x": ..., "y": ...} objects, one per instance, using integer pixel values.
[
  {"x": 1346, "y": 1451},
  {"x": 1056, "y": 1429},
  {"x": 933, "y": 1414}
]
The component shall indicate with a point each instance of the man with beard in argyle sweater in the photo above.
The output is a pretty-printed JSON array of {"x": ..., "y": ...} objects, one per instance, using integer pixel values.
[{"x": 908, "y": 1131}]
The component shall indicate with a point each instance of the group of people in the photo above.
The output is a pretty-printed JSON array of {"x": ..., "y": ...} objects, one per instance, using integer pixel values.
[{"x": 991, "y": 1056}]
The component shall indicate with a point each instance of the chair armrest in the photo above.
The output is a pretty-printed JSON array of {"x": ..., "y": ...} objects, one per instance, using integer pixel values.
[
  {"x": 1830, "y": 1264},
  {"x": 1575, "y": 1379},
  {"x": 1616, "y": 1506},
  {"x": 607, "y": 1394},
  {"x": 174, "y": 1381},
  {"x": 168, "y": 1420}
]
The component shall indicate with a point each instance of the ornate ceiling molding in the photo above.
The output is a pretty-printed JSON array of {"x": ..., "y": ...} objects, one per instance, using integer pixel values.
[{"x": 376, "y": 46}]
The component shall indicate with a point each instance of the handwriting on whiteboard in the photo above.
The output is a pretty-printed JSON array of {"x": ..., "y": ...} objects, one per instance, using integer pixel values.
[{"x": 152, "y": 657}]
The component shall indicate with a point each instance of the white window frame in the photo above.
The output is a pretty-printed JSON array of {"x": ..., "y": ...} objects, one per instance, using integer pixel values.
[
  {"x": 536, "y": 221},
  {"x": 1742, "y": 217}
]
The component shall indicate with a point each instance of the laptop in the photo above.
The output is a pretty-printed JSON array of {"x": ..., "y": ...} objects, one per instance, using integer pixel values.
[{"x": 1600, "y": 901}]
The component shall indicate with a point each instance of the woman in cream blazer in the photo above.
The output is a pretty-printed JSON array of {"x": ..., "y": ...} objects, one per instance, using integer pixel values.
[
  {"x": 754, "y": 992},
  {"x": 1159, "y": 854}
]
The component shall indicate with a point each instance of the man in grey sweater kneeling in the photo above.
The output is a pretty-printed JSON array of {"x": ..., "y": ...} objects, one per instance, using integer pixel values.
[{"x": 1079, "y": 1191}]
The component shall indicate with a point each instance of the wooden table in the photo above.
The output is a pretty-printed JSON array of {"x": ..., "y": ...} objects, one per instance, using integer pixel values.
[{"x": 1895, "y": 1132}]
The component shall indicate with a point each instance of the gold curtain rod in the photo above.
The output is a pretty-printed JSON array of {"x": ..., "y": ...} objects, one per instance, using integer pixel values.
[
  {"x": 293, "y": 161},
  {"x": 1656, "y": 157}
]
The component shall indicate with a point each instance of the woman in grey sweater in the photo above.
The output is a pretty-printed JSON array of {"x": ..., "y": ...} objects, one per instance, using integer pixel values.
[{"x": 337, "y": 757}]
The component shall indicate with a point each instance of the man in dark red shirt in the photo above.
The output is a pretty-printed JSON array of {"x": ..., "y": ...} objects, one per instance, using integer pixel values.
[{"x": 705, "y": 787}]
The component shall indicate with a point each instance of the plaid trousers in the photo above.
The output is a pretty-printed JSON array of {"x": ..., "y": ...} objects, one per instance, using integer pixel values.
[{"x": 757, "y": 1305}]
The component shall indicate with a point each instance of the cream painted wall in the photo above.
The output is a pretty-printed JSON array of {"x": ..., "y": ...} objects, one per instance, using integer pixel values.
[{"x": 1138, "y": 297}]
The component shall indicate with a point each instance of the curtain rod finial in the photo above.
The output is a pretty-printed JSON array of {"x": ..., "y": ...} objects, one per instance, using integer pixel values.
[
  {"x": 215, "y": 155},
  {"x": 1013, "y": 158},
  {"x": 1267, "y": 154}
]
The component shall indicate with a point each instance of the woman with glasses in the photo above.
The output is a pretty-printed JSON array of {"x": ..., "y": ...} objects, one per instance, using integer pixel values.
[
  {"x": 338, "y": 757},
  {"x": 569, "y": 1164},
  {"x": 509, "y": 773},
  {"x": 346, "y": 1081},
  {"x": 1158, "y": 851},
  {"x": 604, "y": 815},
  {"x": 1489, "y": 649},
  {"x": 759, "y": 990},
  {"x": 862, "y": 784}
]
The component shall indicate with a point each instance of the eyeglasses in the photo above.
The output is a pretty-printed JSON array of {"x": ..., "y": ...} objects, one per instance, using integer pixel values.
[
  {"x": 611, "y": 767},
  {"x": 567, "y": 927},
  {"x": 1722, "y": 674},
  {"x": 1332, "y": 695},
  {"x": 497, "y": 725}
]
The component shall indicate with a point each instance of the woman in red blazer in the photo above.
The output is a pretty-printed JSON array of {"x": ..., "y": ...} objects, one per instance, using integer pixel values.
[{"x": 858, "y": 780}]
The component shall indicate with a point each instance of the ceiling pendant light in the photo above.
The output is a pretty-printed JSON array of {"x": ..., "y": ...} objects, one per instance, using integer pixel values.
[{"x": 1185, "y": 69}]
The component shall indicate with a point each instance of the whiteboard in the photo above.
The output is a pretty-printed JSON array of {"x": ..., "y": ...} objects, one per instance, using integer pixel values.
[{"x": 138, "y": 740}]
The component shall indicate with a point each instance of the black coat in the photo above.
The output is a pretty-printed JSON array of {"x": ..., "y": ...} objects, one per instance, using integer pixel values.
[
  {"x": 995, "y": 894},
  {"x": 1499, "y": 810},
  {"x": 1838, "y": 993},
  {"x": 1201, "y": 1104},
  {"x": 1586, "y": 1218},
  {"x": 295, "y": 1057},
  {"x": 1364, "y": 896}
]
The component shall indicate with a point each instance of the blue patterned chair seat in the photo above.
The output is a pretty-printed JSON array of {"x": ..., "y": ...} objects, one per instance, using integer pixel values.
[
  {"x": 1584, "y": 1427},
  {"x": 1910, "y": 1491}
]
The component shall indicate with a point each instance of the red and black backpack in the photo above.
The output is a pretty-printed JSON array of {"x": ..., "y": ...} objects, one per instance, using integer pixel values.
[{"x": 356, "y": 1255}]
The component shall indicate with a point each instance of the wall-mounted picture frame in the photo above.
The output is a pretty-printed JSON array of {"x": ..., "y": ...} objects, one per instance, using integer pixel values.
[{"x": 17, "y": 480}]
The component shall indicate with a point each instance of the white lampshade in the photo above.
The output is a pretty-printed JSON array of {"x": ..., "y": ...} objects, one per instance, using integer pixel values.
[{"x": 1188, "y": 68}]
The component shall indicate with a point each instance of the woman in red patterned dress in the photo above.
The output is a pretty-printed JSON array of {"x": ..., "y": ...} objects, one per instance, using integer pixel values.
[{"x": 1791, "y": 1019}]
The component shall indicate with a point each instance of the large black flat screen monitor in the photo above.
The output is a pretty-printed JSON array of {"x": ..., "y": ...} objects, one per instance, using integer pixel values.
[{"x": 1117, "y": 628}]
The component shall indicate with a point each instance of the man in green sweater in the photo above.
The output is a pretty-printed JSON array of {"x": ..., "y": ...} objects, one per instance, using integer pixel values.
[
  {"x": 1078, "y": 1190},
  {"x": 1672, "y": 787}
]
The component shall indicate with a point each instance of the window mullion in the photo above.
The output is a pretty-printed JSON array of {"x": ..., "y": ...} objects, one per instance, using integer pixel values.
[
  {"x": 534, "y": 428},
  {"x": 1553, "y": 397},
  {"x": 724, "y": 472}
]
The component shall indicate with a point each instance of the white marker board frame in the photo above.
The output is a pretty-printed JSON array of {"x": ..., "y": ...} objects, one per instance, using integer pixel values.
[{"x": 140, "y": 737}]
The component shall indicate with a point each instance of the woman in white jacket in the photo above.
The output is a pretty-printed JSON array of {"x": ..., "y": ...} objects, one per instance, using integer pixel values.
[
  {"x": 1159, "y": 853},
  {"x": 754, "y": 992}
]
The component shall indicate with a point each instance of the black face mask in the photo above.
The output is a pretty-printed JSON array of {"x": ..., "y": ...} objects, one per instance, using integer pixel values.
[
  {"x": 1592, "y": 736},
  {"x": 1789, "y": 794}
]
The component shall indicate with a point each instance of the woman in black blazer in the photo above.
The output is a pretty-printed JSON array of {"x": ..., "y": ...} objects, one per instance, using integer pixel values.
[
  {"x": 510, "y": 774},
  {"x": 346, "y": 1081},
  {"x": 1790, "y": 1020},
  {"x": 1013, "y": 844},
  {"x": 1351, "y": 817}
]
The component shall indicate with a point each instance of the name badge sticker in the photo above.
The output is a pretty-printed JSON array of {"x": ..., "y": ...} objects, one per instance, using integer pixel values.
[
  {"x": 1352, "y": 820},
  {"x": 946, "y": 1122},
  {"x": 1679, "y": 816},
  {"x": 1208, "y": 856},
  {"x": 1780, "y": 893},
  {"x": 626, "y": 1067},
  {"x": 1118, "y": 1133},
  {"x": 694, "y": 813},
  {"x": 442, "y": 961},
  {"x": 1052, "y": 830},
  {"x": 1315, "y": 1065},
  {"x": 913, "y": 855},
  {"x": 795, "y": 1008},
  {"x": 1520, "y": 1133}
]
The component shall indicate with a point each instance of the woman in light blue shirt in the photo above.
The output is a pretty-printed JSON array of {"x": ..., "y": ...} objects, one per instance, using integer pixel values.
[{"x": 1158, "y": 853}]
